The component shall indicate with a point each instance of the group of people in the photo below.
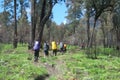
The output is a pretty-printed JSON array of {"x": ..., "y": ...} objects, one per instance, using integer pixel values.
[{"x": 46, "y": 48}]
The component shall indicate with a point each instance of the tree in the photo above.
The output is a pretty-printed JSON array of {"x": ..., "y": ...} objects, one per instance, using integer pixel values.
[
  {"x": 74, "y": 12},
  {"x": 15, "y": 26},
  {"x": 23, "y": 27},
  {"x": 98, "y": 7},
  {"x": 45, "y": 13},
  {"x": 48, "y": 24},
  {"x": 6, "y": 21},
  {"x": 116, "y": 23},
  {"x": 104, "y": 21},
  {"x": 33, "y": 22},
  {"x": 88, "y": 8},
  {"x": 41, "y": 11}
]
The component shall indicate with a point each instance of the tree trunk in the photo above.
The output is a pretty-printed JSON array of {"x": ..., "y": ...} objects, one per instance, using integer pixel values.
[
  {"x": 33, "y": 23},
  {"x": 118, "y": 39},
  {"x": 49, "y": 29},
  {"x": 41, "y": 33},
  {"x": 49, "y": 32},
  {"x": 15, "y": 27},
  {"x": 41, "y": 25},
  {"x": 95, "y": 52},
  {"x": 103, "y": 30},
  {"x": 43, "y": 18},
  {"x": 88, "y": 30},
  {"x": 92, "y": 35},
  {"x": 74, "y": 29}
]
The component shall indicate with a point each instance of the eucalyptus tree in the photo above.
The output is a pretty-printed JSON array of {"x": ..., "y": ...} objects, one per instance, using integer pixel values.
[
  {"x": 5, "y": 27},
  {"x": 5, "y": 15},
  {"x": 23, "y": 5},
  {"x": 41, "y": 11},
  {"x": 103, "y": 20},
  {"x": 12, "y": 10},
  {"x": 15, "y": 26},
  {"x": 23, "y": 27},
  {"x": 46, "y": 9},
  {"x": 44, "y": 12},
  {"x": 33, "y": 22},
  {"x": 88, "y": 8},
  {"x": 74, "y": 12},
  {"x": 107, "y": 29},
  {"x": 23, "y": 24},
  {"x": 5, "y": 20},
  {"x": 116, "y": 23},
  {"x": 48, "y": 24},
  {"x": 99, "y": 7}
]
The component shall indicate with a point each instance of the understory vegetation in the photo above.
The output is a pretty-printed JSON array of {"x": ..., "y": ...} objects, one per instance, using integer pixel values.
[{"x": 18, "y": 64}]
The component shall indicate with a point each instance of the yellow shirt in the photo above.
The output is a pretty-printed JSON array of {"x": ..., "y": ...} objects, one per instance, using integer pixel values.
[{"x": 54, "y": 46}]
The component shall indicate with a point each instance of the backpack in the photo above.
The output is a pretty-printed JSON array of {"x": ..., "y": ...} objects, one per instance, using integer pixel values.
[
  {"x": 36, "y": 46},
  {"x": 46, "y": 46},
  {"x": 61, "y": 45}
]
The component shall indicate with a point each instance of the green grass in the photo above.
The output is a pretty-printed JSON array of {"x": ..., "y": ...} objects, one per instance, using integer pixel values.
[
  {"x": 103, "y": 68},
  {"x": 15, "y": 65}
]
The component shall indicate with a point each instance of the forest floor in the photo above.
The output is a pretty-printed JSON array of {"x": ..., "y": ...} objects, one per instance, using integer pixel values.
[{"x": 18, "y": 64}]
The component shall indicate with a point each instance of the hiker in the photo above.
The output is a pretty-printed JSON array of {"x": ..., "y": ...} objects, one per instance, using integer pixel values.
[
  {"x": 65, "y": 46},
  {"x": 54, "y": 48},
  {"x": 46, "y": 49},
  {"x": 61, "y": 46},
  {"x": 36, "y": 49}
]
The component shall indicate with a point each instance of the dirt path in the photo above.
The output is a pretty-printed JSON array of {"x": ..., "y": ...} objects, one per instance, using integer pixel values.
[{"x": 55, "y": 70}]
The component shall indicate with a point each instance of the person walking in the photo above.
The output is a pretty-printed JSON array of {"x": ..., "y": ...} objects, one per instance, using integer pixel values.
[
  {"x": 36, "y": 49},
  {"x": 65, "y": 46},
  {"x": 61, "y": 47},
  {"x": 54, "y": 48},
  {"x": 46, "y": 49}
]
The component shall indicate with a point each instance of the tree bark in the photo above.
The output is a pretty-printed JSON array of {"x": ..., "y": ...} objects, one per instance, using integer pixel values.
[
  {"x": 33, "y": 23},
  {"x": 92, "y": 35},
  {"x": 88, "y": 30},
  {"x": 118, "y": 39},
  {"x": 49, "y": 30},
  {"x": 15, "y": 27},
  {"x": 103, "y": 30},
  {"x": 43, "y": 18},
  {"x": 49, "y": 34},
  {"x": 91, "y": 40}
]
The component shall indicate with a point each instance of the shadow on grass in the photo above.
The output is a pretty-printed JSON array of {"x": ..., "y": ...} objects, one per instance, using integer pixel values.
[{"x": 42, "y": 77}]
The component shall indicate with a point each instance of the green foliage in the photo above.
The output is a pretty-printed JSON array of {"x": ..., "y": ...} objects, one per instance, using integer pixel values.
[
  {"x": 90, "y": 52},
  {"x": 109, "y": 52},
  {"x": 52, "y": 78}
]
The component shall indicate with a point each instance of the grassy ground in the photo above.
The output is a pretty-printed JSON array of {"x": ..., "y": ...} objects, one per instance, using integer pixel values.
[
  {"x": 15, "y": 65},
  {"x": 73, "y": 65}
]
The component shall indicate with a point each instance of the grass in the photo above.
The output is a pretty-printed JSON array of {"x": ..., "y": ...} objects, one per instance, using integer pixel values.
[
  {"x": 15, "y": 65},
  {"x": 103, "y": 68}
]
